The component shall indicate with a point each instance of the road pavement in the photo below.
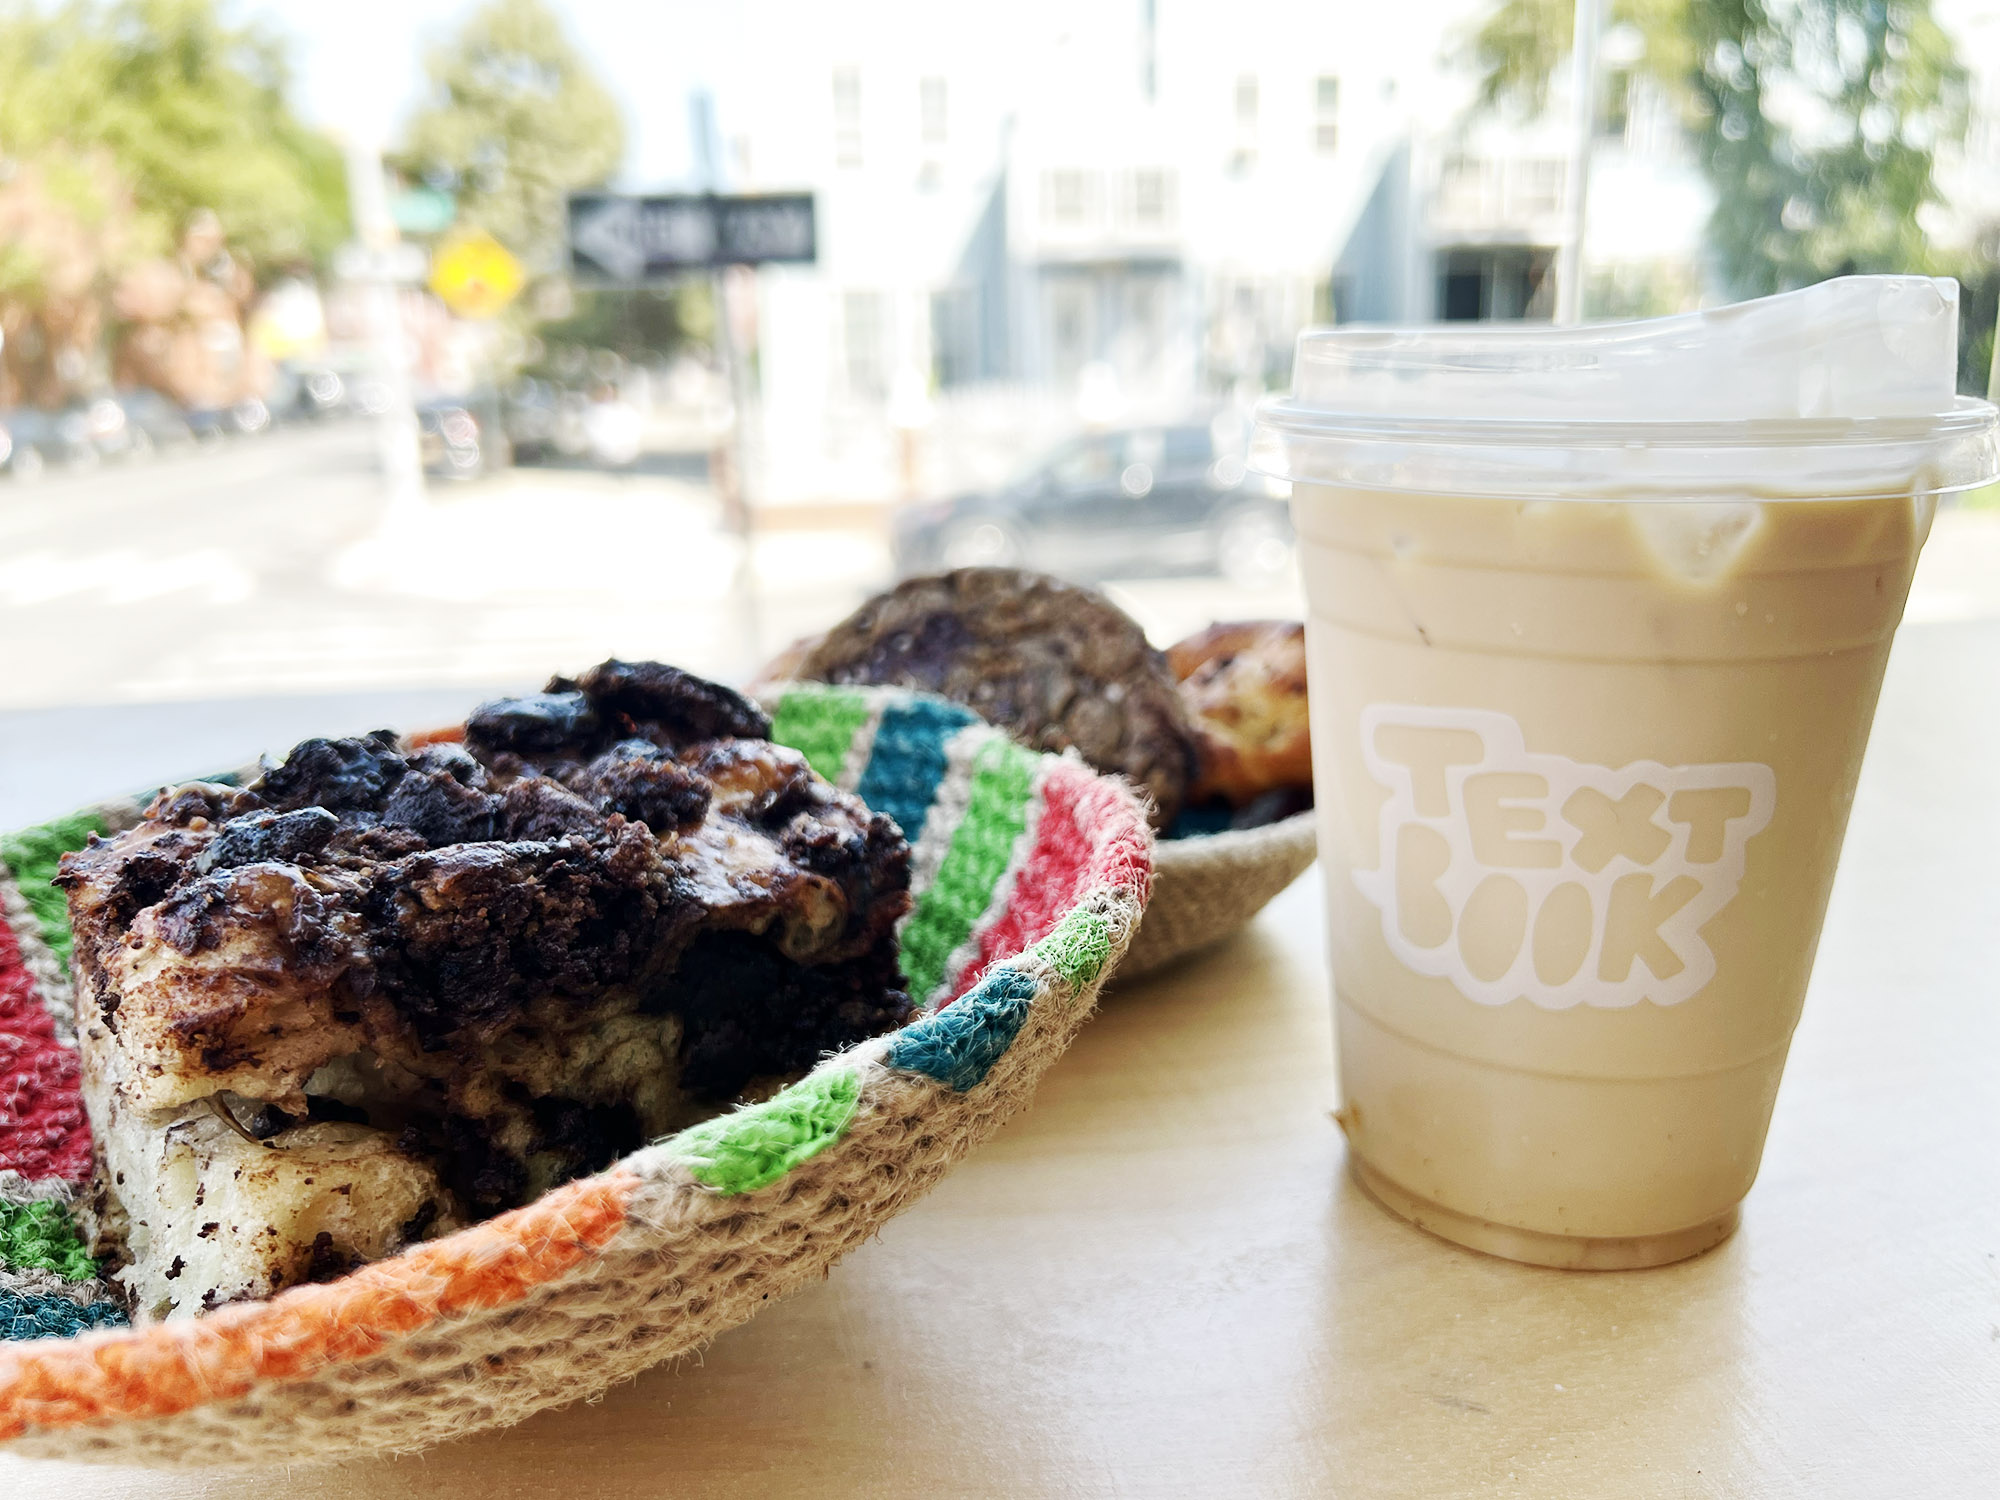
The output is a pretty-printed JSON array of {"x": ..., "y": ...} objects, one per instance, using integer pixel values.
[{"x": 277, "y": 566}]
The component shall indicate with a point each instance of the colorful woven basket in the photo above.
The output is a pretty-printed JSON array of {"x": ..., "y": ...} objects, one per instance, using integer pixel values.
[
  {"x": 1211, "y": 885},
  {"x": 1030, "y": 874}
]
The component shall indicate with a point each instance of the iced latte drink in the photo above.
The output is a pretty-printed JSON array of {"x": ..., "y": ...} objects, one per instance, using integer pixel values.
[{"x": 1598, "y": 621}]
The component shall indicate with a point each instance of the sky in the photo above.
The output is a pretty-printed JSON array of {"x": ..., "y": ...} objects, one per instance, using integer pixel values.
[
  {"x": 359, "y": 69},
  {"x": 359, "y": 62}
]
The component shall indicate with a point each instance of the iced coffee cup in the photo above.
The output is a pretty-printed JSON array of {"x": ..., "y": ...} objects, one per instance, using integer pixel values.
[{"x": 1598, "y": 617}]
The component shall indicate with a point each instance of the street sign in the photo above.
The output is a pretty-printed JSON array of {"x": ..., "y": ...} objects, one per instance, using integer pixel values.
[
  {"x": 627, "y": 240},
  {"x": 475, "y": 275},
  {"x": 422, "y": 210},
  {"x": 401, "y": 263}
]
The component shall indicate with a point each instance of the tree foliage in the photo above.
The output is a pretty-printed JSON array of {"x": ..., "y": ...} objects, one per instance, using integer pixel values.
[
  {"x": 1816, "y": 122},
  {"x": 188, "y": 109},
  {"x": 515, "y": 122},
  {"x": 636, "y": 322}
]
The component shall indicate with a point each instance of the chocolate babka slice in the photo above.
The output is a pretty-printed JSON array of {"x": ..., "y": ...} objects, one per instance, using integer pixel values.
[{"x": 383, "y": 991}]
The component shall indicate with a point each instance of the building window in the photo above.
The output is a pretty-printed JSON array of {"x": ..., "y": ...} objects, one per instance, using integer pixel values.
[
  {"x": 1465, "y": 188},
  {"x": 1152, "y": 199},
  {"x": 1326, "y": 114},
  {"x": 1246, "y": 104},
  {"x": 861, "y": 329},
  {"x": 1482, "y": 283},
  {"x": 1071, "y": 335},
  {"x": 1144, "y": 335},
  {"x": 1243, "y": 157},
  {"x": 955, "y": 344},
  {"x": 930, "y": 111},
  {"x": 847, "y": 117},
  {"x": 1066, "y": 199},
  {"x": 1537, "y": 186}
]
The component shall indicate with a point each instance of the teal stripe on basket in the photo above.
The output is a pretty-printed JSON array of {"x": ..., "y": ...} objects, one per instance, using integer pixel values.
[
  {"x": 31, "y": 856},
  {"x": 46, "y": 1315},
  {"x": 959, "y": 1044},
  {"x": 820, "y": 723},
  {"x": 908, "y": 760},
  {"x": 1003, "y": 783}
]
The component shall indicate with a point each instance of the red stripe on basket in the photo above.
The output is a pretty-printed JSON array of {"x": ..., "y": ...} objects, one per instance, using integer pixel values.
[
  {"x": 43, "y": 1131},
  {"x": 173, "y": 1367},
  {"x": 1092, "y": 832}
]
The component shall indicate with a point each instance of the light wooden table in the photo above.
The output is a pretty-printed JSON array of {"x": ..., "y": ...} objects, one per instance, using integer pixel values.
[{"x": 1161, "y": 1282}]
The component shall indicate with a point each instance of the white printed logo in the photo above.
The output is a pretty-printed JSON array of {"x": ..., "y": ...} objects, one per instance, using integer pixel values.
[{"x": 1512, "y": 873}]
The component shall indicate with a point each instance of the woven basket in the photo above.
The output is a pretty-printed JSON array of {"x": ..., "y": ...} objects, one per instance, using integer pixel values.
[
  {"x": 1208, "y": 886},
  {"x": 1030, "y": 873}
]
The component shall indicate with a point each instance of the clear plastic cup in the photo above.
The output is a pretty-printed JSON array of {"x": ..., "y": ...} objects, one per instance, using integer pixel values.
[{"x": 1598, "y": 618}]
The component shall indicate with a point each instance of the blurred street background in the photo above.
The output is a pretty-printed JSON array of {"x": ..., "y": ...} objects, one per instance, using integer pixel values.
[{"x": 301, "y": 401}]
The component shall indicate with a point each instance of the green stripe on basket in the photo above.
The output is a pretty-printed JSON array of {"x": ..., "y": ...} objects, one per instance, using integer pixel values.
[
  {"x": 820, "y": 725},
  {"x": 31, "y": 856},
  {"x": 1078, "y": 947},
  {"x": 753, "y": 1147},
  {"x": 1003, "y": 782},
  {"x": 40, "y": 1237}
]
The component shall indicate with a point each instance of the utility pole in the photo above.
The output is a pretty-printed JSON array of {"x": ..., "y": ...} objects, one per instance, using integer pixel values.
[
  {"x": 368, "y": 202},
  {"x": 732, "y": 476},
  {"x": 1583, "y": 130}
]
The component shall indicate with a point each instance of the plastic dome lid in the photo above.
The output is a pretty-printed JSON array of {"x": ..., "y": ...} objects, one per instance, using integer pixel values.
[{"x": 1845, "y": 388}]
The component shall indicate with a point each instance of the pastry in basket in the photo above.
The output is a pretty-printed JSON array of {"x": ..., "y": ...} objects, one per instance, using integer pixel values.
[
  {"x": 1056, "y": 665},
  {"x": 384, "y": 990},
  {"x": 1244, "y": 684}
]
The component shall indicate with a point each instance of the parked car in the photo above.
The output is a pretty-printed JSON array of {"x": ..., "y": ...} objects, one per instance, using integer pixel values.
[
  {"x": 32, "y": 439},
  {"x": 302, "y": 393},
  {"x": 544, "y": 422},
  {"x": 460, "y": 436},
  {"x": 1140, "y": 500},
  {"x": 211, "y": 424},
  {"x": 152, "y": 421},
  {"x": 95, "y": 429},
  {"x": 531, "y": 411}
]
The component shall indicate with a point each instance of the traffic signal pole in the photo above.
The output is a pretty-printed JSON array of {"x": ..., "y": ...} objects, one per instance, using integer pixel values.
[
  {"x": 1583, "y": 131},
  {"x": 396, "y": 427}
]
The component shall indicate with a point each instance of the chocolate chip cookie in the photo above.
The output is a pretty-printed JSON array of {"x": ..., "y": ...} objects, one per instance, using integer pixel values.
[{"x": 1056, "y": 665}]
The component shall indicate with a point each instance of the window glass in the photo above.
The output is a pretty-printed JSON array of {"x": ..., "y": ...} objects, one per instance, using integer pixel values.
[
  {"x": 1326, "y": 114},
  {"x": 847, "y": 117},
  {"x": 1087, "y": 463}
]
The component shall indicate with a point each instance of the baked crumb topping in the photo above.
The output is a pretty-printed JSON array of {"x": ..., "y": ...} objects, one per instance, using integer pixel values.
[{"x": 614, "y": 909}]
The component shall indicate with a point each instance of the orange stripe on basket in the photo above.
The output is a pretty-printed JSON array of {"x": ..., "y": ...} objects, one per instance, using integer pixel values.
[{"x": 173, "y": 1367}]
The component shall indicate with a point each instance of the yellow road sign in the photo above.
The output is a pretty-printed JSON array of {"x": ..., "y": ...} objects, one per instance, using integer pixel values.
[{"x": 475, "y": 275}]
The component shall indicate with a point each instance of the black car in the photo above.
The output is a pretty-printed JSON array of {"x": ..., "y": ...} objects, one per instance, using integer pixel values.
[
  {"x": 32, "y": 439},
  {"x": 1137, "y": 501}
]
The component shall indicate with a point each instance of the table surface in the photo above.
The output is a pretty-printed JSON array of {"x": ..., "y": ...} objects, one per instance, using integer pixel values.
[{"x": 1160, "y": 1280}]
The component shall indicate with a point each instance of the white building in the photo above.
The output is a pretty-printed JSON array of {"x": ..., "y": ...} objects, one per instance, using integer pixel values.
[{"x": 1080, "y": 213}]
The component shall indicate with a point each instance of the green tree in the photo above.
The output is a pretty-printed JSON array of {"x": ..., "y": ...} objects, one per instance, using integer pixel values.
[
  {"x": 1816, "y": 122},
  {"x": 515, "y": 122},
  {"x": 190, "y": 109},
  {"x": 635, "y": 322},
  {"x": 122, "y": 124}
]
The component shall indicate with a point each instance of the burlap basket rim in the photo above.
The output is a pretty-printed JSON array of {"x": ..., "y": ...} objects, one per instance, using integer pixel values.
[
  {"x": 1209, "y": 887},
  {"x": 1063, "y": 896},
  {"x": 1198, "y": 849}
]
